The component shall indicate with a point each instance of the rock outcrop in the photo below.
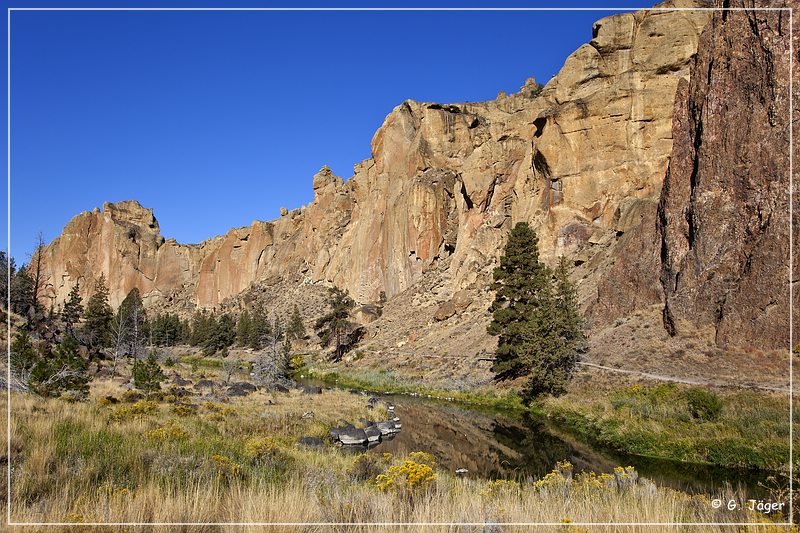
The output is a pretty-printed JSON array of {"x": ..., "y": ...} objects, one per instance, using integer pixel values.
[
  {"x": 443, "y": 186},
  {"x": 716, "y": 249}
]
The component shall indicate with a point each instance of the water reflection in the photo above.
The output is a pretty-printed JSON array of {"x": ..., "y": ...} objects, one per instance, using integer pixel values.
[{"x": 493, "y": 445}]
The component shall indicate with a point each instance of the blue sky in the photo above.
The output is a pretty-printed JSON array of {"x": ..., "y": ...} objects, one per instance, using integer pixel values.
[{"x": 215, "y": 119}]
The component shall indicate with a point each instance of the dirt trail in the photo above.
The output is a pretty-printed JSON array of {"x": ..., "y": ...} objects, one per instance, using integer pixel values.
[{"x": 660, "y": 377}]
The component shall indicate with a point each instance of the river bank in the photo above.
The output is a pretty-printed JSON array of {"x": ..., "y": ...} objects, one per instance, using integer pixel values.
[{"x": 744, "y": 429}]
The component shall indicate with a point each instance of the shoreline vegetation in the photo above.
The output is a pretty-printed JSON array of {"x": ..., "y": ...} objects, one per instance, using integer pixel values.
[
  {"x": 736, "y": 429},
  {"x": 119, "y": 457}
]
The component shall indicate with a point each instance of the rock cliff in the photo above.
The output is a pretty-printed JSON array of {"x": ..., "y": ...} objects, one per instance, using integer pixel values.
[
  {"x": 579, "y": 158},
  {"x": 721, "y": 228}
]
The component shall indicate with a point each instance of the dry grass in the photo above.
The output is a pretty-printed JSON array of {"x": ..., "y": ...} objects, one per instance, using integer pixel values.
[{"x": 239, "y": 462}]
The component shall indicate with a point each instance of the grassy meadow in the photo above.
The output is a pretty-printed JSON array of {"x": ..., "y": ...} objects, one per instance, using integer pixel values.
[
  {"x": 746, "y": 428},
  {"x": 168, "y": 459}
]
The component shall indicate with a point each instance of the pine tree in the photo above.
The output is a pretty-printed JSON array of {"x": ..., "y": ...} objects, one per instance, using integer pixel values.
[
  {"x": 147, "y": 374},
  {"x": 260, "y": 329},
  {"x": 131, "y": 314},
  {"x": 296, "y": 329},
  {"x": 21, "y": 291},
  {"x": 199, "y": 328},
  {"x": 568, "y": 319},
  {"x": 73, "y": 310},
  {"x": 7, "y": 271},
  {"x": 243, "y": 329},
  {"x": 23, "y": 356},
  {"x": 60, "y": 371},
  {"x": 98, "y": 317},
  {"x": 335, "y": 327},
  {"x": 221, "y": 334},
  {"x": 535, "y": 316},
  {"x": 522, "y": 293}
]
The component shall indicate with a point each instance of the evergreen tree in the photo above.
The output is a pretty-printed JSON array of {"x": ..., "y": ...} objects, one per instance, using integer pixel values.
[
  {"x": 296, "y": 329},
  {"x": 522, "y": 296},
  {"x": 73, "y": 310},
  {"x": 60, "y": 371},
  {"x": 335, "y": 327},
  {"x": 221, "y": 334},
  {"x": 260, "y": 329},
  {"x": 21, "y": 291},
  {"x": 133, "y": 318},
  {"x": 98, "y": 317},
  {"x": 568, "y": 319},
  {"x": 186, "y": 331},
  {"x": 166, "y": 330},
  {"x": 201, "y": 328},
  {"x": 7, "y": 271},
  {"x": 535, "y": 316},
  {"x": 147, "y": 374},
  {"x": 23, "y": 356},
  {"x": 243, "y": 329}
]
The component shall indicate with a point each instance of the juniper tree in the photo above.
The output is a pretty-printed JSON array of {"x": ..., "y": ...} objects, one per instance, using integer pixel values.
[
  {"x": 147, "y": 374},
  {"x": 243, "y": 329},
  {"x": 7, "y": 271},
  {"x": 222, "y": 334},
  {"x": 98, "y": 317},
  {"x": 60, "y": 371},
  {"x": 73, "y": 310},
  {"x": 260, "y": 328},
  {"x": 21, "y": 290},
  {"x": 335, "y": 327},
  {"x": 132, "y": 318},
  {"x": 296, "y": 329},
  {"x": 535, "y": 316},
  {"x": 23, "y": 356}
]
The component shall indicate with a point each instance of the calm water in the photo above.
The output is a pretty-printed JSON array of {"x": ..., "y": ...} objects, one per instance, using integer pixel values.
[{"x": 493, "y": 444}]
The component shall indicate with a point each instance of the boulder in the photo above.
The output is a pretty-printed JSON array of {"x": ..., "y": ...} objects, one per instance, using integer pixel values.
[
  {"x": 354, "y": 436},
  {"x": 387, "y": 427},
  {"x": 310, "y": 389},
  {"x": 373, "y": 433},
  {"x": 314, "y": 442},
  {"x": 241, "y": 388}
]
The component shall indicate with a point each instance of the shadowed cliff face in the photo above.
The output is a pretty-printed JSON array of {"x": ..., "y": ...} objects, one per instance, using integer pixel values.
[
  {"x": 443, "y": 187},
  {"x": 716, "y": 249}
]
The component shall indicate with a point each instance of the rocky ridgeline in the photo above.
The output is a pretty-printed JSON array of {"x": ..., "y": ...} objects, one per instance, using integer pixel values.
[{"x": 583, "y": 159}]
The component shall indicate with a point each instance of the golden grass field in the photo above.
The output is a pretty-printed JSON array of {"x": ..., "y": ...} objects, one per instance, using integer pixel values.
[{"x": 237, "y": 461}]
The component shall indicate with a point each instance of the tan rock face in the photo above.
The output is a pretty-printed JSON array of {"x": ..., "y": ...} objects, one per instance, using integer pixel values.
[
  {"x": 441, "y": 190},
  {"x": 715, "y": 251}
]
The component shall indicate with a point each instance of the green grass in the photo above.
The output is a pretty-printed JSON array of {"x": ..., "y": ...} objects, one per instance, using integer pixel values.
[
  {"x": 386, "y": 381},
  {"x": 751, "y": 430}
]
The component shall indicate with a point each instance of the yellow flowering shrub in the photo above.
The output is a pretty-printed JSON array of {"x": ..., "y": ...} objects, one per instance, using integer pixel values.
[
  {"x": 260, "y": 448},
  {"x": 182, "y": 410},
  {"x": 168, "y": 432},
  {"x": 423, "y": 458},
  {"x": 501, "y": 489},
  {"x": 406, "y": 478},
  {"x": 226, "y": 466},
  {"x": 139, "y": 409}
]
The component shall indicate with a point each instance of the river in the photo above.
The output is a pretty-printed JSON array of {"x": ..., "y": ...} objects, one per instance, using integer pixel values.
[{"x": 496, "y": 444}]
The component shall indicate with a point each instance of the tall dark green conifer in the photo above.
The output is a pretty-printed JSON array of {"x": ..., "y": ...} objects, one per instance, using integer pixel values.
[
  {"x": 243, "y": 328},
  {"x": 73, "y": 310},
  {"x": 260, "y": 329},
  {"x": 60, "y": 371},
  {"x": 536, "y": 318},
  {"x": 98, "y": 317},
  {"x": 523, "y": 295},
  {"x": 335, "y": 327},
  {"x": 296, "y": 329},
  {"x": 132, "y": 315}
]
